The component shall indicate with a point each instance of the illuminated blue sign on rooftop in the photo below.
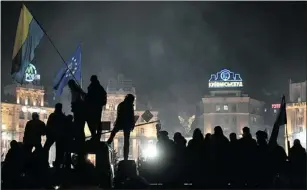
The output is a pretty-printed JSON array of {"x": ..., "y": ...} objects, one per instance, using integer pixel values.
[{"x": 225, "y": 79}]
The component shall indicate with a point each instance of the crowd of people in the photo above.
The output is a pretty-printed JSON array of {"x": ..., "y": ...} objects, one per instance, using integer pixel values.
[
  {"x": 213, "y": 161},
  {"x": 206, "y": 161}
]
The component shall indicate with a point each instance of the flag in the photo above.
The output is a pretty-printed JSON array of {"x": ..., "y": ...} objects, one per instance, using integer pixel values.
[
  {"x": 28, "y": 37},
  {"x": 70, "y": 70},
  {"x": 280, "y": 120}
]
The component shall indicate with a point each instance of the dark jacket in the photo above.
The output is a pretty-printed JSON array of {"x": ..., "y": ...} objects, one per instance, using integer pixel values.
[
  {"x": 33, "y": 131},
  {"x": 57, "y": 125},
  {"x": 125, "y": 116},
  {"x": 96, "y": 96}
]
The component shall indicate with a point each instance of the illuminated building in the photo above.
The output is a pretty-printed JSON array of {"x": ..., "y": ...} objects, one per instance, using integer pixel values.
[
  {"x": 29, "y": 98},
  {"x": 228, "y": 107},
  {"x": 296, "y": 113},
  {"x": 143, "y": 136}
]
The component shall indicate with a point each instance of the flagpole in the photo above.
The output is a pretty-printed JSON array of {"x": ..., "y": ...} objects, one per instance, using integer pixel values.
[{"x": 56, "y": 49}]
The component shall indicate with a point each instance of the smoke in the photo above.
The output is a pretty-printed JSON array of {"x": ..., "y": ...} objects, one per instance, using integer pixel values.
[{"x": 169, "y": 49}]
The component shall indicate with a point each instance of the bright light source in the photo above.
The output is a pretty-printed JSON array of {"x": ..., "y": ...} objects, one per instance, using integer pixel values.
[
  {"x": 3, "y": 126},
  {"x": 150, "y": 151}
]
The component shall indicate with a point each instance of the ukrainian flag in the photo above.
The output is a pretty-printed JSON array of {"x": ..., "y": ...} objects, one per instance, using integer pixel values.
[{"x": 28, "y": 36}]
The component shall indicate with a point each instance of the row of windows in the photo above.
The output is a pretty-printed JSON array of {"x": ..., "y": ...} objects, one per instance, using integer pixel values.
[
  {"x": 29, "y": 115},
  {"x": 225, "y": 107}
]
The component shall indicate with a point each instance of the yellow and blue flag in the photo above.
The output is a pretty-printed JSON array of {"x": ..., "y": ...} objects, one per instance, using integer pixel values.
[
  {"x": 28, "y": 37},
  {"x": 70, "y": 70}
]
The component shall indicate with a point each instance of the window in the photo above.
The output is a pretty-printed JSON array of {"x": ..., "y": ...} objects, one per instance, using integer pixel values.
[
  {"x": 29, "y": 117},
  {"x": 21, "y": 115},
  {"x": 234, "y": 108},
  {"x": 275, "y": 110},
  {"x": 218, "y": 108},
  {"x": 226, "y": 107},
  {"x": 142, "y": 131},
  {"x": 265, "y": 109},
  {"x": 45, "y": 116}
]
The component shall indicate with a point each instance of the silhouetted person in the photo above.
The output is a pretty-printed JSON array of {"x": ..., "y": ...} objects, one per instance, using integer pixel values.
[
  {"x": 195, "y": 152},
  {"x": 180, "y": 157},
  {"x": 124, "y": 121},
  {"x": 233, "y": 160},
  {"x": 13, "y": 166},
  {"x": 96, "y": 98},
  {"x": 297, "y": 159},
  {"x": 34, "y": 130},
  {"x": 79, "y": 112},
  {"x": 70, "y": 137},
  {"x": 248, "y": 147},
  {"x": 219, "y": 157},
  {"x": 263, "y": 178},
  {"x": 57, "y": 132},
  {"x": 166, "y": 158}
]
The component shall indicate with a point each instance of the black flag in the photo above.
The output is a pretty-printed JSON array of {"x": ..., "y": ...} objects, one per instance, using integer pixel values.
[{"x": 280, "y": 120}]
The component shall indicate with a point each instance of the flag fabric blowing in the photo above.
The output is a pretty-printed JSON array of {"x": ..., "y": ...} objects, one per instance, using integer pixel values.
[
  {"x": 70, "y": 70},
  {"x": 28, "y": 37}
]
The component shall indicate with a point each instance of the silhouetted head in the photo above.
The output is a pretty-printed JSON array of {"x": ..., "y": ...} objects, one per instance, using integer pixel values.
[
  {"x": 162, "y": 135},
  {"x": 35, "y": 116},
  {"x": 233, "y": 137},
  {"x": 208, "y": 136},
  {"x": 177, "y": 137},
  {"x": 218, "y": 130},
  {"x": 94, "y": 78},
  {"x": 261, "y": 137},
  {"x": 72, "y": 84},
  {"x": 129, "y": 98},
  {"x": 297, "y": 142},
  {"x": 70, "y": 117},
  {"x": 14, "y": 144},
  {"x": 197, "y": 134},
  {"x": 58, "y": 107},
  {"x": 246, "y": 132}
]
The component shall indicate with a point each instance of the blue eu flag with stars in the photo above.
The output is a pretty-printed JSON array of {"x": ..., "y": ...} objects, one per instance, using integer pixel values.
[{"x": 70, "y": 70}]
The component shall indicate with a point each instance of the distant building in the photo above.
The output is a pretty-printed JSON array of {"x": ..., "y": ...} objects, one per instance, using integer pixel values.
[
  {"x": 142, "y": 136},
  {"x": 28, "y": 99},
  {"x": 296, "y": 113},
  {"x": 228, "y": 107}
]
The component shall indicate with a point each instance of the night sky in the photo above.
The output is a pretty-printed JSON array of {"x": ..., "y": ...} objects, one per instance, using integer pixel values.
[{"x": 169, "y": 49}]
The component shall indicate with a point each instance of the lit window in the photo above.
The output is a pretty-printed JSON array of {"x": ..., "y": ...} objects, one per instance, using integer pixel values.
[
  {"x": 218, "y": 107},
  {"x": 275, "y": 111},
  {"x": 265, "y": 110},
  {"x": 226, "y": 107},
  {"x": 107, "y": 106}
]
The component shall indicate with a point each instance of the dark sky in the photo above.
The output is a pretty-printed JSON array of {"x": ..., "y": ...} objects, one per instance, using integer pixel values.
[{"x": 169, "y": 49}]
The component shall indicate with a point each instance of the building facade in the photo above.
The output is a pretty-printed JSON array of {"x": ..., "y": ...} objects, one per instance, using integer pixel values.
[
  {"x": 296, "y": 113},
  {"x": 14, "y": 115},
  {"x": 143, "y": 135},
  {"x": 228, "y": 107}
]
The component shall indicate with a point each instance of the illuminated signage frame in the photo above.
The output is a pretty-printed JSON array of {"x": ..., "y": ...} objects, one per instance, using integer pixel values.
[
  {"x": 225, "y": 79},
  {"x": 275, "y": 106},
  {"x": 31, "y": 73}
]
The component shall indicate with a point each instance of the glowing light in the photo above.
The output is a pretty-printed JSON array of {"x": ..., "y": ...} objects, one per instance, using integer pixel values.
[
  {"x": 31, "y": 73},
  {"x": 3, "y": 126},
  {"x": 150, "y": 151},
  {"x": 32, "y": 109},
  {"x": 276, "y": 106},
  {"x": 225, "y": 79}
]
